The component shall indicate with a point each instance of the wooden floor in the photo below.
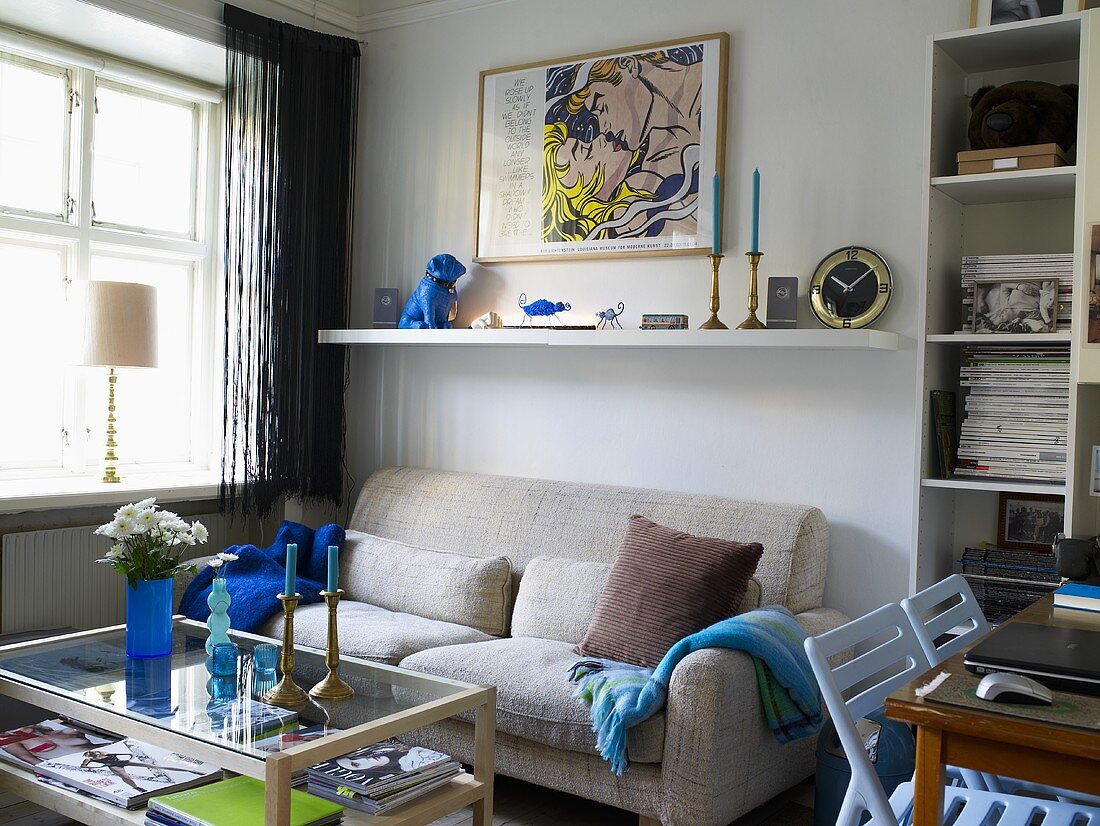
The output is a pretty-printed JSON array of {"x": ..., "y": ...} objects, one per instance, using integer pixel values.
[{"x": 517, "y": 804}]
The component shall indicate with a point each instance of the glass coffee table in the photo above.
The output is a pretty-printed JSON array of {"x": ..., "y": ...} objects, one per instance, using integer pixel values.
[{"x": 167, "y": 701}]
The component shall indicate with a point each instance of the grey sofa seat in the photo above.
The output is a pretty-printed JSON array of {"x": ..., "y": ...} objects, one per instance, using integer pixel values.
[
  {"x": 373, "y": 633},
  {"x": 534, "y": 696}
]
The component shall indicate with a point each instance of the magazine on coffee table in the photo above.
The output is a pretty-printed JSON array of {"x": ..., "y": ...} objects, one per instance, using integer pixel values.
[
  {"x": 129, "y": 772},
  {"x": 241, "y": 720},
  {"x": 30, "y": 745}
]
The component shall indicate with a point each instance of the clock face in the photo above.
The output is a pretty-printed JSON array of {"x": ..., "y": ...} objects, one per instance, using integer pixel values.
[{"x": 850, "y": 288}]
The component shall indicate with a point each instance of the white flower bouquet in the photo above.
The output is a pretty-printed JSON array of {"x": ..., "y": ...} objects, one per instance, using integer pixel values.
[{"x": 149, "y": 542}]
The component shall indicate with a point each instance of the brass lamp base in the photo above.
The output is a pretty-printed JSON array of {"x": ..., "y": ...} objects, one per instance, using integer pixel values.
[
  {"x": 287, "y": 693},
  {"x": 713, "y": 323},
  {"x": 752, "y": 322},
  {"x": 332, "y": 687},
  {"x": 110, "y": 460}
]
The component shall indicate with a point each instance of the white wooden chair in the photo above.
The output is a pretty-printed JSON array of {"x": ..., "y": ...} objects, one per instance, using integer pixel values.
[{"x": 891, "y": 657}]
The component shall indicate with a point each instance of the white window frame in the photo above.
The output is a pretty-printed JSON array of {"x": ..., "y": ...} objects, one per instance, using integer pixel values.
[{"x": 81, "y": 237}]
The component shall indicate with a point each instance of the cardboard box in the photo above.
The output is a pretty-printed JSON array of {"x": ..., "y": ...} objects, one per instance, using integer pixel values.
[{"x": 1039, "y": 156}]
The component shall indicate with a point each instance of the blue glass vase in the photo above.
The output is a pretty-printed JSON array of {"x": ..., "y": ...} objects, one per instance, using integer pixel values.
[
  {"x": 149, "y": 618},
  {"x": 218, "y": 623}
]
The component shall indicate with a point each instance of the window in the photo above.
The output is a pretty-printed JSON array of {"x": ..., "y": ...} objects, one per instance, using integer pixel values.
[{"x": 104, "y": 180}]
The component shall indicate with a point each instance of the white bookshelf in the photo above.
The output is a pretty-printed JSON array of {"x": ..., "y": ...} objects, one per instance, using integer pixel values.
[{"x": 1020, "y": 212}]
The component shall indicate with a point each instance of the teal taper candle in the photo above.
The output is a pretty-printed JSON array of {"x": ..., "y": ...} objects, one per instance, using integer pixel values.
[
  {"x": 333, "y": 568},
  {"x": 716, "y": 217},
  {"x": 291, "y": 569},
  {"x": 755, "y": 211}
]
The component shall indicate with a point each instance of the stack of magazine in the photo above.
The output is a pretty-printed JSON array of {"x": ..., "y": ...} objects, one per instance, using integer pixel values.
[
  {"x": 380, "y": 777},
  {"x": 1017, "y": 268},
  {"x": 1006, "y": 582},
  {"x": 1017, "y": 413},
  {"x": 122, "y": 771}
]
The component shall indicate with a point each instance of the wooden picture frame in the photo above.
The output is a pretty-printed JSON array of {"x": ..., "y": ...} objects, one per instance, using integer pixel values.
[
  {"x": 1038, "y": 531},
  {"x": 602, "y": 155},
  {"x": 981, "y": 11}
]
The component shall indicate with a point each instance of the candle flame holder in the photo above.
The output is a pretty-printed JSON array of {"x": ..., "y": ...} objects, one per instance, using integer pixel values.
[
  {"x": 752, "y": 322},
  {"x": 287, "y": 693},
  {"x": 332, "y": 687},
  {"x": 713, "y": 323}
]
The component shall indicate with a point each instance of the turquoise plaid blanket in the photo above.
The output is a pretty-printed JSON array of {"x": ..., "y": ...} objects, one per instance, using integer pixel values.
[{"x": 621, "y": 695}]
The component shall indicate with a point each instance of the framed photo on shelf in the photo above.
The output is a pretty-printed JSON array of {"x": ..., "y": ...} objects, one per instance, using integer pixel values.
[
  {"x": 606, "y": 154},
  {"x": 1029, "y": 522},
  {"x": 996, "y": 12},
  {"x": 1014, "y": 306}
]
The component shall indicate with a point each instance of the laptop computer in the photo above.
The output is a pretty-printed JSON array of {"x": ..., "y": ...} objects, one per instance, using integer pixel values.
[{"x": 1063, "y": 658}]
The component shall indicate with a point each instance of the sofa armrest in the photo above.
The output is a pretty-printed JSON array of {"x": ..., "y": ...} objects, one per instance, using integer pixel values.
[
  {"x": 183, "y": 580},
  {"x": 819, "y": 620}
]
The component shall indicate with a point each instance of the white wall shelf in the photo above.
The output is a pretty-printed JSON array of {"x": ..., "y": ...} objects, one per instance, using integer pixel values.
[
  {"x": 1009, "y": 187},
  {"x": 864, "y": 339},
  {"x": 1006, "y": 46},
  {"x": 995, "y": 485},
  {"x": 963, "y": 339}
]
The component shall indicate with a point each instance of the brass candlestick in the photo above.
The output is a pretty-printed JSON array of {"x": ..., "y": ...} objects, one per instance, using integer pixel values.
[
  {"x": 752, "y": 322},
  {"x": 332, "y": 687},
  {"x": 286, "y": 693},
  {"x": 713, "y": 323}
]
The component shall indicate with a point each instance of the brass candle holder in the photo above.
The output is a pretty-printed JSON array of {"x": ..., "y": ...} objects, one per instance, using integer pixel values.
[
  {"x": 286, "y": 692},
  {"x": 713, "y": 323},
  {"x": 332, "y": 687},
  {"x": 752, "y": 322}
]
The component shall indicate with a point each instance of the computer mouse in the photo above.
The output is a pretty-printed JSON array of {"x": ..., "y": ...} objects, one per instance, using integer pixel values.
[{"x": 1004, "y": 687}]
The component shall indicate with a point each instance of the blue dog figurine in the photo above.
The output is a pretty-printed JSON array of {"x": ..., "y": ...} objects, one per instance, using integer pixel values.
[{"x": 434, "y": 303}]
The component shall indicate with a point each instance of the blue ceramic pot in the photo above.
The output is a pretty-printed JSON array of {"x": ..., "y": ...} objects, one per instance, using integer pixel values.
[{"x": 149, "y": 618}]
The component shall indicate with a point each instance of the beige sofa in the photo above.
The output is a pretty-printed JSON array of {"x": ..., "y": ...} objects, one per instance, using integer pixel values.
[{"x": 708, "y": 758}]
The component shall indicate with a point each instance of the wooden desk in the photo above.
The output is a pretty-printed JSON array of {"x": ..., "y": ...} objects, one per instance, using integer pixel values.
[{"x": 997, "y": 743}]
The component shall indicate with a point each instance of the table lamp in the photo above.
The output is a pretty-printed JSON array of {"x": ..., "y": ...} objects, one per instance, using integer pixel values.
[{"x": 120, "y": 330}]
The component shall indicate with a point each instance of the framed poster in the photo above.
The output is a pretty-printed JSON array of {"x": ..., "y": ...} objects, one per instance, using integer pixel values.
[
  {"x": 996, "y": 12},
  {"x": 1029, "y": 521},
  {"x": 602, "y": 154}
]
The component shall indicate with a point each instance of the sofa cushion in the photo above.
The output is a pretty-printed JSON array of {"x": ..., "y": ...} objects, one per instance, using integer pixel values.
[
  {"x": 557, "y": 598},
  {"x": 534, "y": 696},
  {"x": 371, "y": 632},
  {"x": 450, "y": 587},
  {"x": 666, "y": 584}
]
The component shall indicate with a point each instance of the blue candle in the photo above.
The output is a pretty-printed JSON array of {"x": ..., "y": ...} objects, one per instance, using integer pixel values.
[
  {"x": 333, "y": 568},
  {"x": 755, "y": 211},
  {"x": 291, "y": 570},
  {"x": 716, "y": 215}
]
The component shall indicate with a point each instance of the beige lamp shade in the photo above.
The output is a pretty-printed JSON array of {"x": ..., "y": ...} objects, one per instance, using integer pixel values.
[{"x": 120, "y": 325}]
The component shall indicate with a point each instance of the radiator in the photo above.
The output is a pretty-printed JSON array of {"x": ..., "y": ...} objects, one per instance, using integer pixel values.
[{"x": 49, "y": 579}]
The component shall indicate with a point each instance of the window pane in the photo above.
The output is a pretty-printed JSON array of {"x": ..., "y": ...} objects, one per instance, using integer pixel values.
[
  {"x": 154, "y": 405},
  {"x": 33, "y": 108},
  {"x": 34, "y": 354},
  {"x": 144, "y": 154}
]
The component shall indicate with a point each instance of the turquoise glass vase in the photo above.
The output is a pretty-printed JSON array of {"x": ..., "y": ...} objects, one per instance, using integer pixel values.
[
  {"x": 149, "y": 618},
  {"x": 218, "y": 623}
]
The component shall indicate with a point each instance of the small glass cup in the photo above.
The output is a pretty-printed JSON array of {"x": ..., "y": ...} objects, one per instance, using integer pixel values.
[
  {"x": 265, "y": 657},
  {"x": 223, "y": 660}
]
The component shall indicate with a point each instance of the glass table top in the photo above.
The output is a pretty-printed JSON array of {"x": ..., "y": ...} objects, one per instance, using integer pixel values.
[{"x": 178, "y": 692}]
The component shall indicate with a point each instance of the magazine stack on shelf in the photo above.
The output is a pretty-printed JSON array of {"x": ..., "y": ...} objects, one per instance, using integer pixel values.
[
  {"x": 1006, "y": 582},
  {"x": 238, "y": 801},
  {"x": 1020, "y": 269},
  {"x": 1017, "y": 413},
  {"x": 381, "y": 777}
]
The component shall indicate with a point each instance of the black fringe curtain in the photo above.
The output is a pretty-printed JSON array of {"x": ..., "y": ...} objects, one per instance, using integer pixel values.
[{"x": 291, "y": 101}]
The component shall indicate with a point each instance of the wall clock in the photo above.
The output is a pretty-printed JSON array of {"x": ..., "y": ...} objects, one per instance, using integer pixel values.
[{"x": 850, "y": 288}]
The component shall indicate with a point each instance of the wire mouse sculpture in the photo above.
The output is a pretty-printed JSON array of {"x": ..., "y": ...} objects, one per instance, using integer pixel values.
[
  {"x": 542, "y": 307},
  {"x": 611, "y": 315}
]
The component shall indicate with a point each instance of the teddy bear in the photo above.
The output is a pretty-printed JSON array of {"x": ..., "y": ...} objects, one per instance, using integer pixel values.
[{"x": 1023, "y": 113}]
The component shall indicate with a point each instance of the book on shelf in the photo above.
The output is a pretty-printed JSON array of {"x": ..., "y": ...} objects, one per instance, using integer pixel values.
[
  {"x": 1027, "y": 566},
  {"x": 945, "y": 427},
  {"x": 1078, "y": 596},
  {"x": 238, "y": 801},
  {"x": 128, "y": 772},
  {"x": 381, "y": 776}
]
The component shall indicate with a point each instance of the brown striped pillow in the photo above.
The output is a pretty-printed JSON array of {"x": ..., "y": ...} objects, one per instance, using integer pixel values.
[{"x": 665, "y": 585}]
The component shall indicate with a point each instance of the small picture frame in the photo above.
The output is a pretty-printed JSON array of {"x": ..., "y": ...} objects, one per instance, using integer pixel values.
[
  {"x": 1094, "y": 478},
  {"x": 997, "y": 12},
  {"x": 1014, "y": 306},
  {"x": 1030, "y": 521}
]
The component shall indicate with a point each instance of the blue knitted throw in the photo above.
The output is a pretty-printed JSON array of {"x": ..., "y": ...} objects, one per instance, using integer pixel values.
[
  {"x": 256, "y": 579},
  {"x": 621, "y": 695}
]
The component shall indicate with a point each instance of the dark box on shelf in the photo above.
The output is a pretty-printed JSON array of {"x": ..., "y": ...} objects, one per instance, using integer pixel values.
[{"x": 1039, "y": 156}]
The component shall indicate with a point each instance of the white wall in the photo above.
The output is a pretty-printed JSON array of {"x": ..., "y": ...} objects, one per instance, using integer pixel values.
[{"x": 828, "y": 99}]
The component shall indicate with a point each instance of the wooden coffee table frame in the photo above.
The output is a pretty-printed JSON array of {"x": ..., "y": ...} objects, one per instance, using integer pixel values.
[{"x": 276, "y": 770}]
